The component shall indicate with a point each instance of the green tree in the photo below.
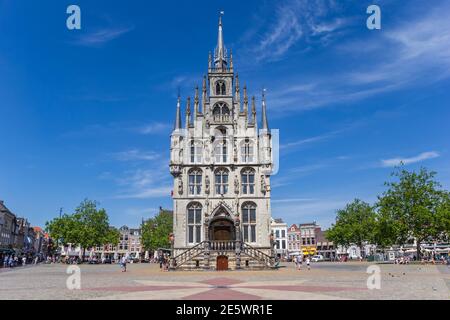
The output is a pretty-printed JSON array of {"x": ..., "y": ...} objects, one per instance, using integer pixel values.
[
  {"x": 354, "y": 224},
  {"x": 112, "y": 237},
  {"x": 87, "y": 226},
  {"x": 385, "y": 231},
  {"x": 443, "y": 217},
  {"x": 155, "y": 231},
  {"x": 416, "y": 205},
  {"x": 62, "y": 229}
]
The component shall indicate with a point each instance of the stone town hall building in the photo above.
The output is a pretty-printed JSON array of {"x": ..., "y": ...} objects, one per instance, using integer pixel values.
[{"x": 221, "y": 161}]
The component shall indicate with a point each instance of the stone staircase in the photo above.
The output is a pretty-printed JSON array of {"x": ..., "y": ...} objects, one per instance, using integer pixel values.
[{"x": 203, "y": 256}]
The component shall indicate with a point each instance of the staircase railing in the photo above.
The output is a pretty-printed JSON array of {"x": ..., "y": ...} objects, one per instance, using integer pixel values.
[
  {"x": 189, "y": 254},
  {"x": 221, "y": 246},
  {"x": 257, "y": 254},
  {"x": 218, "y": 245}
]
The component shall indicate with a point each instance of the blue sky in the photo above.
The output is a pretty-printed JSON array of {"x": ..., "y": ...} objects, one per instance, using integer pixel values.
[{"x": 88, "y": 113}]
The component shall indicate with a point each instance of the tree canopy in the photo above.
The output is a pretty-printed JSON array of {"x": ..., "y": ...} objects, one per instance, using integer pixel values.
[
  {"x": 155, "y": 231},
  {"x": 88, "y": 227},
  {"x": 354, "y": 224},
  {"x": 416, "y": 206}
]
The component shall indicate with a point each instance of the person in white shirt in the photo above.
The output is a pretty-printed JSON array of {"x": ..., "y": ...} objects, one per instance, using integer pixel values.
[
  {"x": 298, "y": 261},
  {"x": 123, "y": 263},
  {"x": 308, "y": 261}
]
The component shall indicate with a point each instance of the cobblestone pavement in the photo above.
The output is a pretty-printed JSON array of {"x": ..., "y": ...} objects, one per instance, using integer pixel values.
[{"x": 325, "y": 280}]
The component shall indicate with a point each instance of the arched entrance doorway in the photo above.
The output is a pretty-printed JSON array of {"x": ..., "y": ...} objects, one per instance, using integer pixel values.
[
  {"x": 221, "y": 227},
  {"x": 222, "y": 230}
]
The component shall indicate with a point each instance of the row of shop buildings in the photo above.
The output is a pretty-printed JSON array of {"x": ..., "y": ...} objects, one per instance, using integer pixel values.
[
  {"x": 129, "y": 245},
  {"x": 19, "y": 238},
  {"x": 305, "y": 239},
  {"x": 308, "y": 239}
]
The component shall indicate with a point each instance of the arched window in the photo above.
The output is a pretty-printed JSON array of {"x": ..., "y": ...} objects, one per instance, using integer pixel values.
[
  {"x": 220, "y": 151},
  {"x": 195, "y": 181},
  {"x": 194, "y": 222},
  {"x": 248, "y": 181},
  {"x": 196, "y": 149},
  {"x": 249, "y": 222},
  {"x": 220, "y": 88},
  {"x": 221, "y": 112},
  {"x": 221, "y": 181},
  {"x": 247, "y": 151}
]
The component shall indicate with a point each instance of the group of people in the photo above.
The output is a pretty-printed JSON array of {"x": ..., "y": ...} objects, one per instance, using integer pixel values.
[
  {"x": 436, "y": 260},
  {"x": 299, "y": 261},
  {"x": 164, "y": 262},
  {"x": 402, "y": 260},
  {"x": 12, "y": 260}
]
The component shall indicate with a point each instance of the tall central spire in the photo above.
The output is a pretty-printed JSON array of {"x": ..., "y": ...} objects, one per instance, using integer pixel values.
[{"x": 220, "y": 54}]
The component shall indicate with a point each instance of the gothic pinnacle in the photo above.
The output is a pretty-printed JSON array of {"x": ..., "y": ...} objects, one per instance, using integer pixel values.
[
  {"x": 178, "y": 115},
  {"x": 253, "y": 110},
  {"x": 188, "y": 112},
  {"x": 245, "y": 104},
  {"x": 196, "y": 102},
  {"x": 265, "y": 125}
]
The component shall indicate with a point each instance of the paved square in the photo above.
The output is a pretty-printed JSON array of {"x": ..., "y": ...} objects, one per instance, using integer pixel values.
[{"x": 145, "y": 281}]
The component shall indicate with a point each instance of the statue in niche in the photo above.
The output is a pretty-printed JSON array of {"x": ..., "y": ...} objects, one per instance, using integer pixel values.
[
  {"x": 180, "y": 186},
  {"x": 207, "y": 207},
  {"x": 236, "y": 184},
  {"x": 263, "y": 184},
  {"x": 207, "y": 184}
]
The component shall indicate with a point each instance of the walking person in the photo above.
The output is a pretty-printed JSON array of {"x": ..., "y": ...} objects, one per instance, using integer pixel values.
[
  {"x": 24, "y": 261},
  {"x": 308, "y": 261},
  {"x": 298, "y": 260},
  {"x": 123, "y": 264},
  {"x": 161, "y": 261}
]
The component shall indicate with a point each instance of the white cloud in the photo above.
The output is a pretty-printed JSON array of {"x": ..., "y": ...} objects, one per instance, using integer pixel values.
[
  {"x": 145, "y": 183},
  {"x": 102, "y": 36},
  {"x": 318, "y": 138},
  {"x": 410, "y": 54},
  {"x": 293, "y": 21},
  {"x": 154, "y": 128},
  {"x": 420, "y": 157},
  {"x": 135, "y": 155}
]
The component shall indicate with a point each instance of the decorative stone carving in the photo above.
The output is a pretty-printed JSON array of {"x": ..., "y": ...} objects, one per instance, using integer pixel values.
[
  {"x": 236, "y": 184},
  {"x": 207, "y": 207},
  {"x": 180, "y": 186},
  {"x": 207, "y": 185},
  {"x": 263, "y": 184}
]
